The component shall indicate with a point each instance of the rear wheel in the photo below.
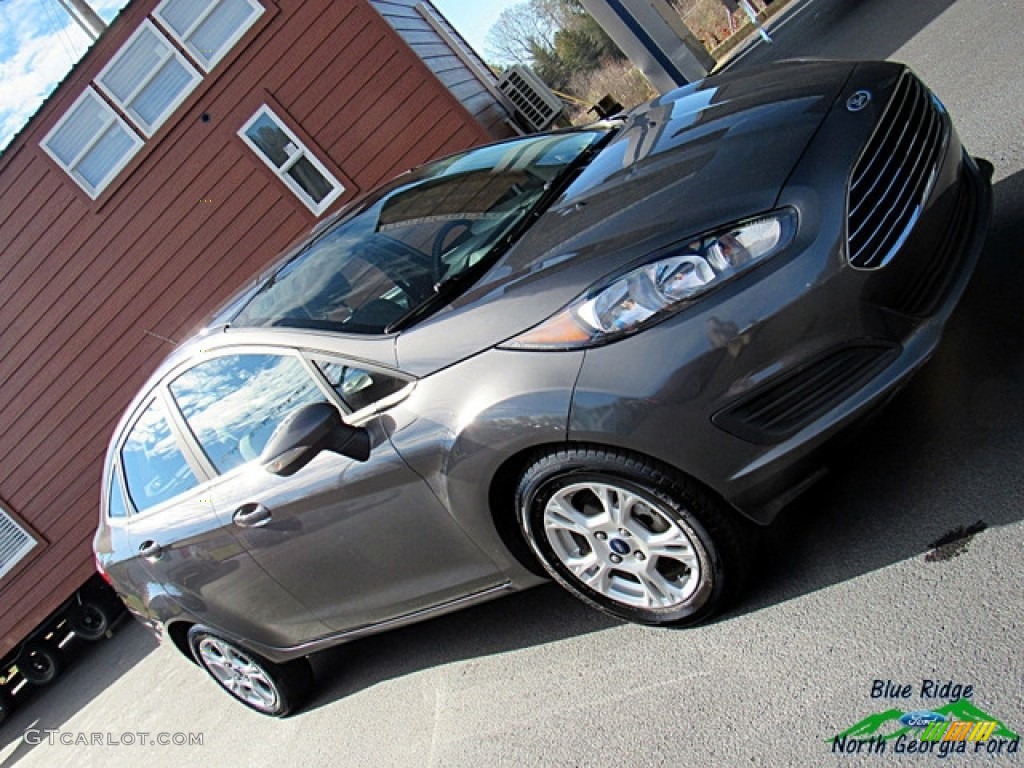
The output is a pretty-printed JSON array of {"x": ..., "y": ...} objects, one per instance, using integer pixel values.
[
  {"x": 90, "y": 621},
  {"x": 631, "y": 538},
  {"x": 6, "y": 705},
  {"x": 269, "y": 688},
  {"x": 39, "y": 663}
]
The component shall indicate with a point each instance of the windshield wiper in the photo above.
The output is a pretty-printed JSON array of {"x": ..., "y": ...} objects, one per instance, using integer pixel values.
[
  {"x": 443, "y": 292},
  {"x": 527, "y": 212}
]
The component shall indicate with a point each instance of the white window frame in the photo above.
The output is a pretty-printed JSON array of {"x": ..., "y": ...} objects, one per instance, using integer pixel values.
[
  {"x": 301, "y": 150},
  {"x": 8, "y": 525},
  {"x": 112, "y": 118},
  {"x": 208, "y": 62},
  {"x": 172, "y": 53}
]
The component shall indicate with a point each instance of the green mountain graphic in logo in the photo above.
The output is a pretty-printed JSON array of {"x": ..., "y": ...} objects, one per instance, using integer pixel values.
[{"x": 961, "y": 709}]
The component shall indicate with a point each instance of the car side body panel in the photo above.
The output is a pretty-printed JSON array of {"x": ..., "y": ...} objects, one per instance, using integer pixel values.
[
  {"x": 201, "y": 570},
  {"x": 458, "y": 442}
]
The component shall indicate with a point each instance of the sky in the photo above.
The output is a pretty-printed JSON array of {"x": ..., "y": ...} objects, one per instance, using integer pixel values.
[
  {"x": 39, "y": 44},
  {"x": 473, "y": 19}
]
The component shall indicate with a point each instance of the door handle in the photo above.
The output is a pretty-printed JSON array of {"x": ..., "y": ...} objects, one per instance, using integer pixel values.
[
  {"x": 150, "y": 550},
  {"x": 251, "y": 516}
]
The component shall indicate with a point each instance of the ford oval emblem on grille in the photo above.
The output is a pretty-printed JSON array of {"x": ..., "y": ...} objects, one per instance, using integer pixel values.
[{"x": 858, "y": 101}]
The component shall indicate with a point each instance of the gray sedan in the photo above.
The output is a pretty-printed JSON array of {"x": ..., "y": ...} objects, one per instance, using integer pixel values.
[{"x": 605, "y": 355}]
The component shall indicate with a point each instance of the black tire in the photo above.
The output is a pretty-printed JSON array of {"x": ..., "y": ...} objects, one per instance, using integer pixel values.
[
  {"x": 269, "y": 688},
  {"x": 674, "y": 556},
  {"x": 6, "y": 705},
  {"x": 39, "y": 663},
  {"x": 90, "y": 620}
]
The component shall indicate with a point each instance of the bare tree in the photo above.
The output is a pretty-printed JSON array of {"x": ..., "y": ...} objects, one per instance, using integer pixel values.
[
  {"x": 525, "y": 28},
  {"x": 557, "y": 38}
]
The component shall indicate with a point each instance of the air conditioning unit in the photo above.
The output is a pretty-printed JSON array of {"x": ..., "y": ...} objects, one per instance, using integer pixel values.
[{"x": 535, "y": 104}]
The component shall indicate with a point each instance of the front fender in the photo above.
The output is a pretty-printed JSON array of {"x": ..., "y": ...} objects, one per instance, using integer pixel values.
[{"x": 462, "y": 424}]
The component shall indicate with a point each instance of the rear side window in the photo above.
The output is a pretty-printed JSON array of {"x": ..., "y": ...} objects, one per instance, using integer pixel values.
[
  {"x": 359, "y": 387},
  {"x": 155, "y": 469},
  {"x": 116, "y": 506},
  {"x": 234, "y": 403}
]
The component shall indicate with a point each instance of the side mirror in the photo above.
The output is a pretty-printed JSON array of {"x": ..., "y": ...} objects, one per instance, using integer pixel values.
[{"x": 306, "y": 432}]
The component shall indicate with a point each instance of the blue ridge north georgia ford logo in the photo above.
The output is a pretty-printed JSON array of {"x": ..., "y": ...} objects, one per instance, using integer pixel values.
[{"x": 950, "y": 722}]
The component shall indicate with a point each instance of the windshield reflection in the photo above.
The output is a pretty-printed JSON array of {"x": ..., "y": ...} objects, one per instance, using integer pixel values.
[{"x": 381, "y": 263}]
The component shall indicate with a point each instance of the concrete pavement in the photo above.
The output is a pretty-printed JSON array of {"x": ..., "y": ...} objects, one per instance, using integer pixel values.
[{"x": 849, "y": 589}]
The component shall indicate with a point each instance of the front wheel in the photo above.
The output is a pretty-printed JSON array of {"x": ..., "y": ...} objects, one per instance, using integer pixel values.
[
  {"x": 631, "y": 538},
  {"x": 271, "y": 689}
]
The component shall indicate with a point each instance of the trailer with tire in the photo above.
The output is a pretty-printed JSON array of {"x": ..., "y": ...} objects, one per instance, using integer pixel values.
[
  {"x": 38, "y": 658},
  {"x": 119, "y": 233}
]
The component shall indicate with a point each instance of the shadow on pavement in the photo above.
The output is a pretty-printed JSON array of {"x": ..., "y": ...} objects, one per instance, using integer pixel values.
[
  {"x": 944, "y": 455},
  {"x": 91, "y": 668},
  {"x": 543, "y": 615}
]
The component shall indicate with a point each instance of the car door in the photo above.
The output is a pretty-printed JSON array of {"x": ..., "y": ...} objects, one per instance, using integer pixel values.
[
  {"x": 177, "y": 551},
  {"x": 357, "y": 542}
]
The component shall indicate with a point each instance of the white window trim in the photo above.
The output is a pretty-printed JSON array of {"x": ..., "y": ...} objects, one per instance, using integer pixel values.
[
  {"x": 7, "y": 523},
  {"x": 208, "y": 63},
  {"x": 172, "y": 52},
  {"x": 71, "y": 169},
  {"x": 303, "y": 151}
]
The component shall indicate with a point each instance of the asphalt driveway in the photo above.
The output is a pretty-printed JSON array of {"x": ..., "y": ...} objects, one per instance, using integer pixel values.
[{"x": 898, "y": 574}]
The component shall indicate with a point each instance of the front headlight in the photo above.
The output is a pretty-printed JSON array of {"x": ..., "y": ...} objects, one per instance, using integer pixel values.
[{"x": 647, "y": 293}]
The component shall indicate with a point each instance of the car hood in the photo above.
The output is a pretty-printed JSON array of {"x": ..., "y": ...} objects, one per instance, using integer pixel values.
[{"x": 688, "y": 162}]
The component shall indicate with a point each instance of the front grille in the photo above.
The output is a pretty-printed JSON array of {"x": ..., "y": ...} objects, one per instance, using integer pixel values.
[
  {"x": 922, "y": 291},
  {"x": 893, "y": 175},
  {"x": 784, "y": 406}
]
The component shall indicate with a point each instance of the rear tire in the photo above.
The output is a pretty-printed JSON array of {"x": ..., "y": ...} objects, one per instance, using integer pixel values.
[
  {"x": 271, "y": 689},
  {"x": 39, "y": 663},
  {"x": 632, "y": 538},
  {"x": 6, "y": 705},
  {"x": 90, "y": 621}
]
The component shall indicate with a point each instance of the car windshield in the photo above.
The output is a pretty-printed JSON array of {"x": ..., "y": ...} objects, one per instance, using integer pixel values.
[{"x": 405, "y": 247}]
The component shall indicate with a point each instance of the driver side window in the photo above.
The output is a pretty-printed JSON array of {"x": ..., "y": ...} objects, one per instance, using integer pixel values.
[{"x": 233, "y": 404}]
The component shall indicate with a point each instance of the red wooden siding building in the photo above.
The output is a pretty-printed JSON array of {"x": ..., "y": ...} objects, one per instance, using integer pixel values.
[{"x": 193, "y": 143}]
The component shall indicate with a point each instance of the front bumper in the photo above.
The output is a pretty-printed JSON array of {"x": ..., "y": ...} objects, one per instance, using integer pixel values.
[{"x": 744, "y": 389}]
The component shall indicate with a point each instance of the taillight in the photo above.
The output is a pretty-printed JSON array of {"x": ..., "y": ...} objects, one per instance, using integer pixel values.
[{"x": 99, "y": 569}]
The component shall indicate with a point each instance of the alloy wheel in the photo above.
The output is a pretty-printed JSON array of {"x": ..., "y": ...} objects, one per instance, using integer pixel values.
[
  {"x": 240, "y": 674},
  {"x": 622, "y": 545}
]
